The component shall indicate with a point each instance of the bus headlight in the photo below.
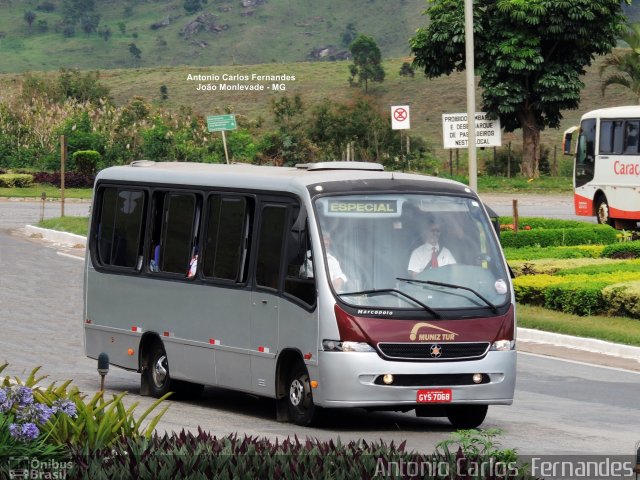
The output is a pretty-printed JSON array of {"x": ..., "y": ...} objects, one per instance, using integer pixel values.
[
  {"x": 338, "y": 346},
  {"x": 503, "y": 345}
]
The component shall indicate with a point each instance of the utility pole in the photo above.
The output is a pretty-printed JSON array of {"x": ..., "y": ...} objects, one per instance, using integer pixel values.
[{"x": 471, "y": 94}]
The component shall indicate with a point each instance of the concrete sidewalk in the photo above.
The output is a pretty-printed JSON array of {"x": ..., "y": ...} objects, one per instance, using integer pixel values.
[{"x": 539, "y": 342}]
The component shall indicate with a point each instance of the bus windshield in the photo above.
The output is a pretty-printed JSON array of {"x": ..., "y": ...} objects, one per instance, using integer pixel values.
[{"x": 413, "y": 251}]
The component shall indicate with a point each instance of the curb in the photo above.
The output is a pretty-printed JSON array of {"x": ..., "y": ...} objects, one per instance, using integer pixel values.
[
  {"x": 579, "y": 343},
  {"x": 524, "y": 334},
  {"x": 66, "y": 238}
]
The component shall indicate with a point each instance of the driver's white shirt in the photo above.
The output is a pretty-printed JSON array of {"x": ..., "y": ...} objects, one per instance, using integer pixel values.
[{"x": 421, "y": 257}]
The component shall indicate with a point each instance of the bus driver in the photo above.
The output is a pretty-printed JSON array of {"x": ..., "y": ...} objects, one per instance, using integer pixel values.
[{"x": 430, "y": 254}]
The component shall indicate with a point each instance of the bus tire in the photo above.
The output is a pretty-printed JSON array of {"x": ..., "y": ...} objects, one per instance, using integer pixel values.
[
  {"x": 156, "y": 375},
  {"x": 299, "y": 396},
  {"x": 602, "y": 212},
  {"x": 467, "y": 416}
]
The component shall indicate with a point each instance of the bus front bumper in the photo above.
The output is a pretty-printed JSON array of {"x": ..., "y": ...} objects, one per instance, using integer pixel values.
[{"x": 346, "y": 379}]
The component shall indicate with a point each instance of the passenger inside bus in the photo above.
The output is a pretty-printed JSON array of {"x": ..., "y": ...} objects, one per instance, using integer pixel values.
[
  {"x": 430, "y": 254},
  {"x": 338, "y": 278}
]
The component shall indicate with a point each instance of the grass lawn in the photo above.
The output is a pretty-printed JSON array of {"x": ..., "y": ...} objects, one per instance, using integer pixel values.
[
  {"x": 614, "y": 329},
  {"x": 49, "y": 190},
  {"x": 77, "y": 225}
]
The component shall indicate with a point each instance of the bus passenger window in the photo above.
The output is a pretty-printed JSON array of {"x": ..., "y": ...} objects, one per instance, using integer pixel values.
[
  {"x": 177, "y": 240},
  {"x": 120, "y": 227},
  {"x": 226, "y": 238}
]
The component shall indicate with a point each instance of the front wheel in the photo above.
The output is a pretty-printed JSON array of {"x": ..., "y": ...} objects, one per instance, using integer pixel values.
[
  {"x": 467, "y": 416},
  {"x": 299, "y": 396},
  {"x": 603, "y": 213}
]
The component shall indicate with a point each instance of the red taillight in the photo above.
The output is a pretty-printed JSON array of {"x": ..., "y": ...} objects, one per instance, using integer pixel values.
[{"x": 348, "y": 327}]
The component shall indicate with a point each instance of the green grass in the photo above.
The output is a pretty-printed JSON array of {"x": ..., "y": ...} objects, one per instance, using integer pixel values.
[
  {"x": 77, "y": 225},
  {"x": 49, "y": 190},
  {"x": 614, "y": 329}
]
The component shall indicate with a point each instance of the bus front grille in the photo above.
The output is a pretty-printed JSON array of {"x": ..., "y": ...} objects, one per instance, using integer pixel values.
[{"x": 434, "y": 351}]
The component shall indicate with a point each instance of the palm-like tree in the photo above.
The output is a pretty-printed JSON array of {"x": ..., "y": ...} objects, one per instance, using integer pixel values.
[{"x": 625, "y": 65}]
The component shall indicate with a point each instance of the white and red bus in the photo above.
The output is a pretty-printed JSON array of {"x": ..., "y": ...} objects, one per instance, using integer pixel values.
[{"x": 606, "y": 173}]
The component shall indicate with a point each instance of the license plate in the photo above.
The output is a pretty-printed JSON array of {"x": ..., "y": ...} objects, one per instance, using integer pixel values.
[{"x": 434, "y": 396}]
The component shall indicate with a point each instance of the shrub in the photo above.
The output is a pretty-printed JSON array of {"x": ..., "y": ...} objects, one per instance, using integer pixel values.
[
  {"x": 593, "y": 234},
  {"x": 546, "y": 223},
  {"x": 623, "y": 299},
  {"x": 86, "y": 162},
  {"x": 15, "y": 180},
  {"x": 71, "y": 180},
  {"x": 622, "y": 250},
  {"x": 576, "y": 298}
]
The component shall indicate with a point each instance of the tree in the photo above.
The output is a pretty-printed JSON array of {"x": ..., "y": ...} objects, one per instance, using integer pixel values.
[
  {"x": 366, "y": 61},
  {"x": 626, "y": 65},
  {"x": 529, "y": 56},
  {"x": 350, "y": 34},
  {"x": 29, "y": 17},
  {"x": 135, "y": 51}
]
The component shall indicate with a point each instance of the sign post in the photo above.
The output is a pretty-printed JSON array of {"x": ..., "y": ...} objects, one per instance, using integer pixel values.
[
  {"x": 400, "y": 120},
  {"x": 220, "y": 123}
]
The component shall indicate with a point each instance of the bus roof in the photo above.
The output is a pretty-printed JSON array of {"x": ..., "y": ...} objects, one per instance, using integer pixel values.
[
  {"x": 247, "y": 176},
  {"x": 629, "y": 111}
]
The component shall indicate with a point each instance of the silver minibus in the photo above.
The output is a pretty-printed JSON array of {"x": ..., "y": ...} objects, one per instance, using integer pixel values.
[{"x": 324, "y": 285}]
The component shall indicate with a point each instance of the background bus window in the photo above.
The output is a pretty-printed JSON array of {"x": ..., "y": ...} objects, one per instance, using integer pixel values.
[
  {"x": 611, "y": 136},
  {"x": 226, "y": 238},
  {"x": 120, "y": 227},
  {"x": 270, "y": 245},
  {"x": 178, "y": 230},
  {"x": 631, "y": 137}
]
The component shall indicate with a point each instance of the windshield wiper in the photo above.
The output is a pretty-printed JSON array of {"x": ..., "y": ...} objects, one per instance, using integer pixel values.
[
  {"x": 394, "y": 290},
  {"x": 451, "y": 285}
]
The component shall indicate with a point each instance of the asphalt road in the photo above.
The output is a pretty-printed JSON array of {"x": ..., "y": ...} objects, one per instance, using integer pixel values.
[{"x": 560, "y": 407}]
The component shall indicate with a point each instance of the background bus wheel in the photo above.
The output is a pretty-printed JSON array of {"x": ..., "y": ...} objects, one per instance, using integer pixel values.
[
  {"x": 602, "y": 212},
  {"x": 157, "y": 371},
  {"x": 299, "y": 396},
  {"x": 467, "y": 416}
]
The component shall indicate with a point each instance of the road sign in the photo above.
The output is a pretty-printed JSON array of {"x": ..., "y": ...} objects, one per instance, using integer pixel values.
[
  {"x": 455, "y": 130},
  {"x": 217, "y": 123},
  {"x": 400, "y": 117}
]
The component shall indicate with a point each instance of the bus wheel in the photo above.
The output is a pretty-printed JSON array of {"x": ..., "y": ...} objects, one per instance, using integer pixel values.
[
  {"x": 300, "y": 398},
  {"x": 602, "y": 212},
  {"x": 467, "y": 416},
  {"x": 157, "y": 371}
]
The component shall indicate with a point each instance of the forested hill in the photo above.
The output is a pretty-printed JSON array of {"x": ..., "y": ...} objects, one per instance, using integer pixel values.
[{"x": 104, "y": 34}]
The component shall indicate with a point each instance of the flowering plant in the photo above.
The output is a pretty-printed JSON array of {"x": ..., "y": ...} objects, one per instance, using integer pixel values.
[{"x": 25, "y": 415}]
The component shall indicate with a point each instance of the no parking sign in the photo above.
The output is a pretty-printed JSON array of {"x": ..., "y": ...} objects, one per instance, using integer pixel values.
[{"x": 400, "y": 117}]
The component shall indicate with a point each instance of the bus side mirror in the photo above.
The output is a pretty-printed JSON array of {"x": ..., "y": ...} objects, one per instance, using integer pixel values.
[{"x": 566, "y": 141}]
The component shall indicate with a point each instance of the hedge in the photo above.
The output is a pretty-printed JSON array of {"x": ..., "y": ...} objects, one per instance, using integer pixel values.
[
  {"x": 536, "y": 252},
  {"x": 540, "y": 222},
  {"x": 622, "y": 250},
  {"x": 71, "y": 180},
  {"x": 15, "y": 180},
  {"x": 592, "y": 234},
  {"x": 580, "y": 294},
  {"x": 566, "y": 266}
]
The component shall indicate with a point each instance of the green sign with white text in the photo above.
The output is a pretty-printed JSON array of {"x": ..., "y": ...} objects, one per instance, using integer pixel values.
[{"x": 217, "y": 123}]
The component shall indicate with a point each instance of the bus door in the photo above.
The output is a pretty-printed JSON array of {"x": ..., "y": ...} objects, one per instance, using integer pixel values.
[{"x": 265, "y": 300}]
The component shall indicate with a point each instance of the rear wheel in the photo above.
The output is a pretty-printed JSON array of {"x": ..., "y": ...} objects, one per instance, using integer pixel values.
[
  {"x": 299, "y": 396},
  {"x": 467, "y": 416},
  {"x": 156, "y": 372},
  {"x": 602, "y": 212}
]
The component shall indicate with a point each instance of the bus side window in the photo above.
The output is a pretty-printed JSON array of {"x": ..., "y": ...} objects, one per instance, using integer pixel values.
[
  {"x": 177, "y": 219},
  {"x": 120, "y": 227},
  {"x": 631, "y": 137},
  {"x": 299, "y": 281},
  {"x": 226, "y": 240}
]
